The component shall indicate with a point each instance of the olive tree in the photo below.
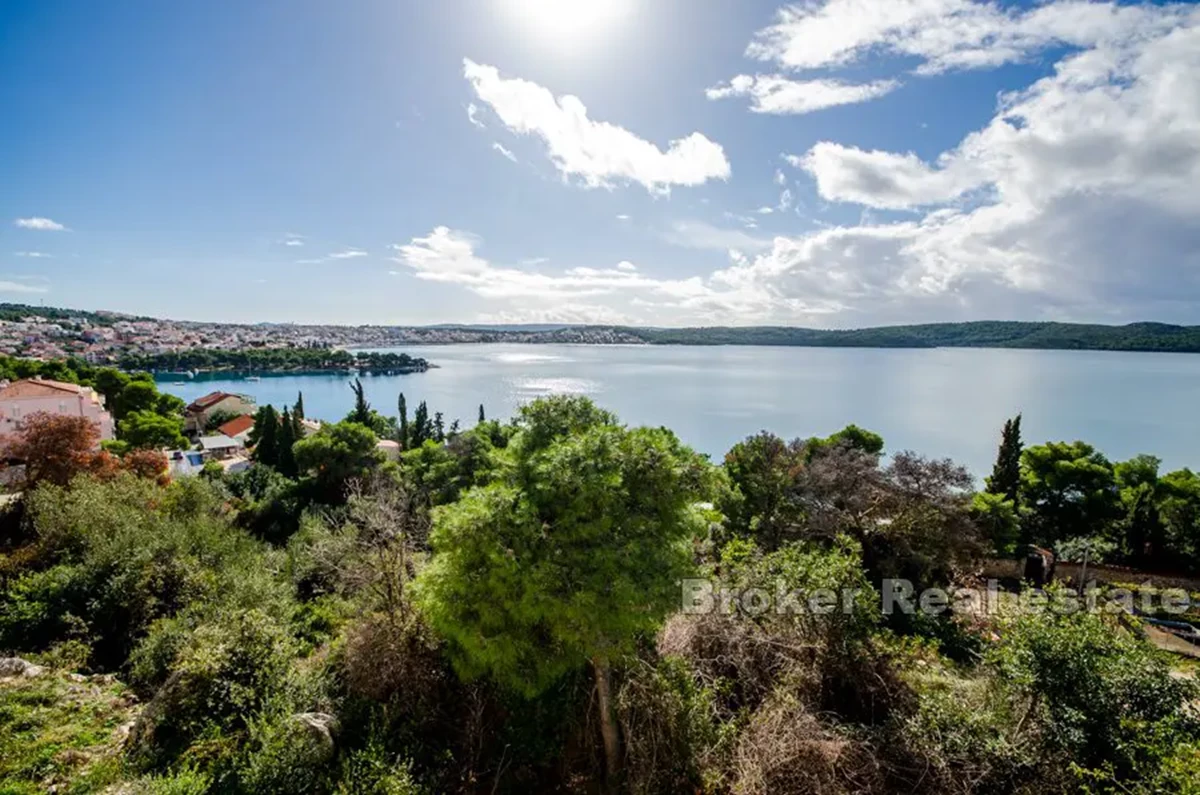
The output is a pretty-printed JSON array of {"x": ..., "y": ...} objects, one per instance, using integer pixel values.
[{"x": 568, "y": 554}]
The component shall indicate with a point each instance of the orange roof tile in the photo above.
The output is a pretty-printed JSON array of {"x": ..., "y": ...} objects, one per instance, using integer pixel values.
[{"x": 237, "y": 425}]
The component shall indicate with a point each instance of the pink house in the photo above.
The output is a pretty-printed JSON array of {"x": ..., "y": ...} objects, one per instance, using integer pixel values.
[{"x": 31, "y": 395}]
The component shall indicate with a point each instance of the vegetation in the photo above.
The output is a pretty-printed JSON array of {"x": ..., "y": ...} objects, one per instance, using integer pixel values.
[
  {"x": 979, "y": 334},
  {"x": 275, "y": 360},
  {"x": 504, "y": 610}
]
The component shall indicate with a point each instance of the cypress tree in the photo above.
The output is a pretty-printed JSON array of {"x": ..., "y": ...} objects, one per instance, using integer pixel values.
[
  {"x": 362, "y": 409},
  {"x": 298, "y": 410},
  {"x": 1006, "y": 474},
  {"x": 420, "y": 431},
  {"x": 287, "y": 438},
  {"x": 267, "y": 450},
  {"x": 439, "y": 428},
  {"x": 403, "y": 405},
  {"x": 482, "y": 416}
]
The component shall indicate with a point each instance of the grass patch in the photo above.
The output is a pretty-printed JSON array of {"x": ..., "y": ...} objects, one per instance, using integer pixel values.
[{"x": 55, "y": 732}]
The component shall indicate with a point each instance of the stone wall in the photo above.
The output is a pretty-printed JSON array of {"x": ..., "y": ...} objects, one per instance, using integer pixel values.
[{"x": 1008, "y": 568}]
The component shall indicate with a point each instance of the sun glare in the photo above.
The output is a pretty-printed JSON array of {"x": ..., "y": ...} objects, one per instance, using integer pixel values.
[{"x": 566, "y": 22}]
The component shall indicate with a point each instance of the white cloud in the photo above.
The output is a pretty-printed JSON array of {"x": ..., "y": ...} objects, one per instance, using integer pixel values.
[
  {"x": 292, "y": 240},
  {"x": 1076, "y": 201},
  {"x": 449, "y": 256},
  {"x": 473, "y": 115},
  {"x": 39, "y": 224},
  {"x": 946, "y": 34},
  {"x": 622, "y": 217},
  {"x": 780, "y": 177},
  {"x": 33, "y": 254},
  {"x": 598, "y": 153},
  {"x": 764, "y": 210},
  {"x": 781, "y": 95},
  {"x": 348, "y": 253},
  {"x": 20, "y": 287},
  {"x": 887, "y": 180},
  {"x": 785, "y": 200},
  {"x": 702, "y": 235},
  {"x": 499, "y": 147}
]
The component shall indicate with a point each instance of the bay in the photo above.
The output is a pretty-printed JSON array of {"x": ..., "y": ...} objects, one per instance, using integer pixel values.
[{"x": 945, "y": 402}]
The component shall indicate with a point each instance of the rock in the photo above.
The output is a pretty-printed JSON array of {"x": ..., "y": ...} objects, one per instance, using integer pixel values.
[
  {"x": 11, "y": 667},
  {"x": 321, "y": 729}
]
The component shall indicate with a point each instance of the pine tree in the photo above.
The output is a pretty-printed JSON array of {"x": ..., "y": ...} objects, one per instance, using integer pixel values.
[
  {"x": 267, "y": 426},
  {"x": 403, "y": 405},
  {"x": 1006, "y": 474},
  {"x": 450, "y": 434},
  {"x": 420, "y": 431},
  {"x": 439, "y": 428},
  {"x": 287, "y": 437},
  {"x": 482, "y": 416},
  {"x": 362, "y": 409},
  {"x": 298, "y": 409}
]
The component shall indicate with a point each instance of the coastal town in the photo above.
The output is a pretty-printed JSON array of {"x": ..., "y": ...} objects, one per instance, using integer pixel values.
[{"x": 103, "y": 337}]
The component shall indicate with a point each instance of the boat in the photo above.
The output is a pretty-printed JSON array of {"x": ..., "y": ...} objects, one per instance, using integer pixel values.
[
  {"x": 177, "y": 383},
  {"x": 253, "y": 378}
]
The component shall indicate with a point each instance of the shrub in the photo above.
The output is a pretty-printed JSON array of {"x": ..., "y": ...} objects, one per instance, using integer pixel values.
[
  {"x": 1104, "y": 697},
  {"x": 224, "y": 674}
]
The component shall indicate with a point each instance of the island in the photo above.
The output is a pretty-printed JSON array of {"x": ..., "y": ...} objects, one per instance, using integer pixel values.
[{"x": 275, "y": 360}]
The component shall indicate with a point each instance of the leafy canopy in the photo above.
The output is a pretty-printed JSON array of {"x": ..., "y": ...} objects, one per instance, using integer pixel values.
[{"x": 570, "y": 552}]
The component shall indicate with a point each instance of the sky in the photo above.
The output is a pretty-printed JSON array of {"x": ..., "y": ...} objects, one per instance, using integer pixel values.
[{"x": 828, "y": 163}]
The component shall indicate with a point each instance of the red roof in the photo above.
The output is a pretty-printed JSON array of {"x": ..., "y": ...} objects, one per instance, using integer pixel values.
[
  {"x": 211, "y": 399},
  {"x": 37, "y": 387},
  {"x": 237, "y": 425}
]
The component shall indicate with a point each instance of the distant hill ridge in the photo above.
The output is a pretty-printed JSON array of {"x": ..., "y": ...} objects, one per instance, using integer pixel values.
[{"x": 1143, "y": 336}]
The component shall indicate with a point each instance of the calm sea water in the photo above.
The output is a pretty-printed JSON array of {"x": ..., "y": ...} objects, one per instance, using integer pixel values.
[{"x": 939, "y": 402}]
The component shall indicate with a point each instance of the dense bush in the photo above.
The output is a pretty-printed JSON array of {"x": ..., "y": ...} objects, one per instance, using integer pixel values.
[{"x": 493, "y": 613}]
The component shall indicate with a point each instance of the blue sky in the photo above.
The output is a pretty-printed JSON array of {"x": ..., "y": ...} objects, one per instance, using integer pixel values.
[{"x": 841, "y": 162}]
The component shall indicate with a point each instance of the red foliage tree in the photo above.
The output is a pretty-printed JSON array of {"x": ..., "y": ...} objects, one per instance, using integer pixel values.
[
  {"x": 53, "y": 447},
  {"x": 150, "y": 464}
]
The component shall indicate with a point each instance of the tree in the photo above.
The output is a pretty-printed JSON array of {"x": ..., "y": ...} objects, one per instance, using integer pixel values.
[
  {"x": 851, "y": 437},
  {"x": 404, "y": 435},
  {"x": 482, "y": 416},
  {"x": 912, "y": 517},
  {"x": 110, "y": 382},
  {"x": 336, "y": 454},
  {"x": 149, "y": 464},
  {"x": 1180, "y": 508},
  {"x": 147, "y": 429},
  {"x": 138, "y": 396},
  {"x": 53, "y": 447},
  {"x": 763, "y": 471},
  {"x": 1067, "y": 489},
  {"x": 1006, "y": 474},
  {"x": 420, "y": 429},
  {"x": 439, "y": 428},
  {"x": 1144, "y": 533},
  {"x": 996, "y": 518},
  {"x": 298, "y": 409},
  {"x": 286, "y": 460},
  {"x": 569, "y": 554},
  {"x": 266, "y": 429},
  {"x": 297, "y": 425},
  {"x": 362, "y": 409}
]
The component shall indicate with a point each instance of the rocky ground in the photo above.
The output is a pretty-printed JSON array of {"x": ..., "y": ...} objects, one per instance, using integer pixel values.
[{"x": 61, "y": 732}]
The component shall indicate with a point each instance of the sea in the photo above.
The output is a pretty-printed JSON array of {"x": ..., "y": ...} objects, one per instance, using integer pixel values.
[{"x": 940, "y": 402}]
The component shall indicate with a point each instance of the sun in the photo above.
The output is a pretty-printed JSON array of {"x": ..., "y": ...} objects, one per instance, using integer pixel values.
[{"x": 566, "y": 22}]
